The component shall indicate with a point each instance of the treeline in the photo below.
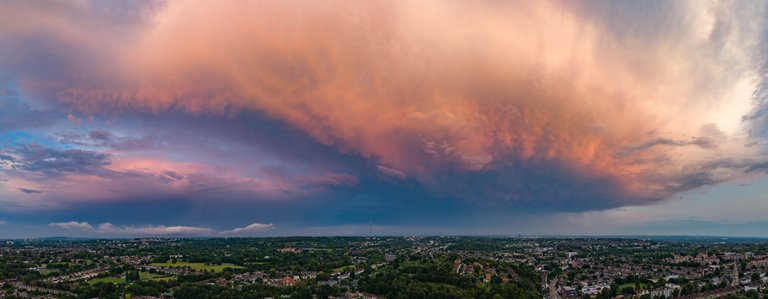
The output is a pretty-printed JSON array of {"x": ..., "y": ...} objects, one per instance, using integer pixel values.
[{"x": 432, "y": 278}]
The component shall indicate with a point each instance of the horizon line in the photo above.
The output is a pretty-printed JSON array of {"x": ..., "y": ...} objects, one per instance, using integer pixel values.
[{"x": 522, "y": 236}]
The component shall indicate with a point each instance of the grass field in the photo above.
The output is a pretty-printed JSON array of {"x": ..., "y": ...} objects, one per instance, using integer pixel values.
[
  {"x": 109, "y": 279},
  {"x": 48, "y": 271},
  {"x": 155, "y": 277},
  {"x": 342, "y": 268},
  {"x": 199, "y": 266},
  {"x": 142, "y": 275},
  {"x": 642, "y": 286}
]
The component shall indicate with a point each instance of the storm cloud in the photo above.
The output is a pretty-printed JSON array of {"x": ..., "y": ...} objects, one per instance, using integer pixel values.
[{"x": 547, "y": 105}]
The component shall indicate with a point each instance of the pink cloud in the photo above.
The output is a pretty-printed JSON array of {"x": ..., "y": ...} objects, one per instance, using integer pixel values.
[
  {"x": 136, "y": 178},
  {"x": 254, "y": 227},
  {"x": 424, "y": 86}
]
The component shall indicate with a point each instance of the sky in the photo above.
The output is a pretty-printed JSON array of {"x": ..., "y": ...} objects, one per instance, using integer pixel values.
[{"x": 297, "y": 117}]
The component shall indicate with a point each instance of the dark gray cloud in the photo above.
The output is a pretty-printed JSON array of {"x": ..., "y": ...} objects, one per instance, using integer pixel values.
[
  {"x": 36, "y": 158},
  {"x": 709, "y": 173},
  {"x": 762, "y": 166},
  {"x": 556, "y": 186},
  {"x": 536, "y": 186},
  {"x": 15, "y": 114},
  {"x": 170, "y": 176},
  {"x": 701, "y": 142},
  {"x": 512, "y": 183},
  {"x": 100, "y": 135},
  {"x": 173, "y": 175},
  {"x": 8, "y": 158},
  {"x": 101, "y": 138},
  {"x": 30, "y": 191},
  {"x": 692, "y": 181}
]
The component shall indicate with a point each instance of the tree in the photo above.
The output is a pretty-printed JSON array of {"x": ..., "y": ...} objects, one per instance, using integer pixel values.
[
  {"x": 324, "y": 291},
  {"x": 132, "y": 275}
]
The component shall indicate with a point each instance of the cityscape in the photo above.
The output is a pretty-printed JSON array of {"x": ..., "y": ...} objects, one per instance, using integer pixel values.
[
  {"x": 326, "y": 149},
  {"x": 386, "y": 267}
]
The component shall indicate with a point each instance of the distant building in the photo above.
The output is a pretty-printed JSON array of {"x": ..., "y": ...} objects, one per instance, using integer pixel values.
[
  {"x": 569, "y": 292},
  {"x": 359, "y": 295},
  {"x": 389, "y": 257},
  {"x": 289, "y": 249},
  {"x": 288, "y": 281}
]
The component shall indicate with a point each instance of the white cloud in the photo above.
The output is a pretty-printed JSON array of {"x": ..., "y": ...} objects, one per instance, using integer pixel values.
[
  {"x": 156, "y": 230},
  {"x": 153, "y": 230},
  {"x": 72, "y": 225},
  {"x": 255, "y": 227},
  {"x": 2, "y": 222}
]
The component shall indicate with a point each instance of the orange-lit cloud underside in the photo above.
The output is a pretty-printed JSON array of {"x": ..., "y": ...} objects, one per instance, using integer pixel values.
[{"x": 424, "y": 86}]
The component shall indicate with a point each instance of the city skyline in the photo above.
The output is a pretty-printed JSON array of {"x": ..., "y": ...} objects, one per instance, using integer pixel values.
[{"x": 258, "y": 118}]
